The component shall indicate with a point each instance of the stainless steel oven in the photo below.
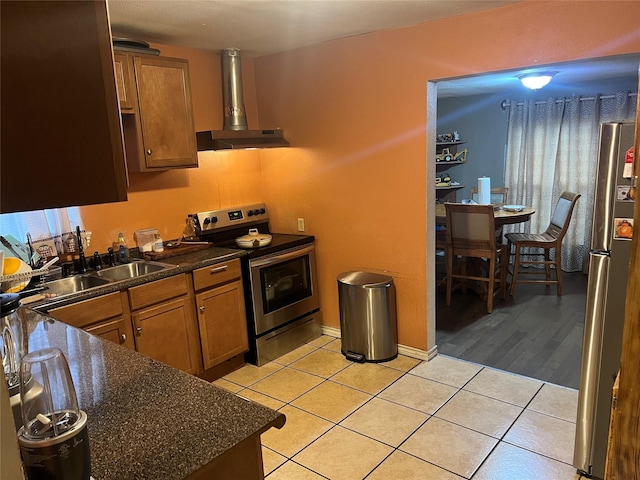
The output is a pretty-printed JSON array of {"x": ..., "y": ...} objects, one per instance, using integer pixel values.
[
  {"x": 285, "y": 301},
  {"x": 280, "y": 281}
]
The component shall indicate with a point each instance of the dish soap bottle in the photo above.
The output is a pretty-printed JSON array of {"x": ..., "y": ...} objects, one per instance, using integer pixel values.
[{"x": 123, "y": 251}]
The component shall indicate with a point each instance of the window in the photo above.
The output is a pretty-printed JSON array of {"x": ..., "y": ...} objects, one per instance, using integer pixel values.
[{"x": 42, "y": 225}]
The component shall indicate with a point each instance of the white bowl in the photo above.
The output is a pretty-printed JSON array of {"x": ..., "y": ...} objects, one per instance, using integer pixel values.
[
  {"x": 513, "y": 208},
  {"x": 15, "y": 286}
]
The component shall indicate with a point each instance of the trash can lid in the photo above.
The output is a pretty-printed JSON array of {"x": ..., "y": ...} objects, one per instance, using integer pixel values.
[{"x": 364, "y": 279}]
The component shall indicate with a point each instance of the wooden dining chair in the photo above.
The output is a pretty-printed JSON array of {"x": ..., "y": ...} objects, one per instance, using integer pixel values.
[
  {"x": 550, "y": 239},
  {"x": 471, "y": 234},
  {"x": 498, "y": 195}
]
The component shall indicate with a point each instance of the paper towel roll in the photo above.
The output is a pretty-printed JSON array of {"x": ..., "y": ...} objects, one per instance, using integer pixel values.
[{"x": 484, "y": 190}]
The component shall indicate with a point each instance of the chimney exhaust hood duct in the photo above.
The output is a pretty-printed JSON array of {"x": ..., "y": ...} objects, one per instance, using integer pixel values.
[{"x": 236, "y": 133}]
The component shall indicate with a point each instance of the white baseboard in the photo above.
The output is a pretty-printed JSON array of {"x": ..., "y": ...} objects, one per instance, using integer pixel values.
[
  {"x": 413, "y": 352},
  {"x": 402, "y": 349},
  {"x": 331, "y": 331}
]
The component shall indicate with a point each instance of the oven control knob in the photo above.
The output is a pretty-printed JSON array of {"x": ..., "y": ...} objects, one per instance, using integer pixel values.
[
  {"x": 250, "y": 213},
  {"x": 256, "y": 212},
  {"x": 262, "y": 211},
  {"x": 214, "y": 219},
  {"x": 207, "y": 221}
]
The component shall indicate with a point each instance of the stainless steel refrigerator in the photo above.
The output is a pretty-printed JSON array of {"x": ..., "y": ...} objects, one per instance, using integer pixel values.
[{"x": 604, "y": 317}]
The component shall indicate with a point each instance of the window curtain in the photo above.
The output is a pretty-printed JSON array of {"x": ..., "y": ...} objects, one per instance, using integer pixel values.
[
  {"x": 552, "y": 147},
  {"x": 52, "y": 225}
]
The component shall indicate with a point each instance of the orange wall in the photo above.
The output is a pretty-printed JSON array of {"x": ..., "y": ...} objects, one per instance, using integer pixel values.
[
  {"x": 356, "y": 112},
  {"x": 359, "y": 105}
]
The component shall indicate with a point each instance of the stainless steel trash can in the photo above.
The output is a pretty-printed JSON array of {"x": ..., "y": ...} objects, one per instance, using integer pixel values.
[{"x": 368, "y": 320}]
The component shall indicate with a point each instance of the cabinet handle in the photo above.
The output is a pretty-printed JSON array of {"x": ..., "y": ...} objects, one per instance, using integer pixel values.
[
  {"x": 149, "y": 151},
  {"x": 202, "y": 308},
  {"x": 219, "y": 269},
  {"x": 139, "y": 330},
  {"x": 123, "y": 338}
]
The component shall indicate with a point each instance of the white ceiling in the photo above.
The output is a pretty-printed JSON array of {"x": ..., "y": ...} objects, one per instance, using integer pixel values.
[{"x": 261, "y": 27}]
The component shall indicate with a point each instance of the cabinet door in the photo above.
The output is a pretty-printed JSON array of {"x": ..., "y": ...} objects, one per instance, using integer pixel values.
[
  {"x": 61, "y": 133},
  {"x": 125, "y": 82},
  {"x": 166, "y": 116},
  {"x": 167, "y": 333},
  {"x": 113, "y": 330},
  {"x": 223, "y": 325}
]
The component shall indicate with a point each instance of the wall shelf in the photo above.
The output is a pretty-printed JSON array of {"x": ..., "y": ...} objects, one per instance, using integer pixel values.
[
  {"x": 449, "y": 144},
  {"x": 443, "y": 164},
  {"x": 448, "y": 194}
]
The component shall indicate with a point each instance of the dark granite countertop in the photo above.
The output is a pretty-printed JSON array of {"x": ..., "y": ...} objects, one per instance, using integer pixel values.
[
  {"x": 179, "y": 264},
  {"x": 147, "y": 420}
]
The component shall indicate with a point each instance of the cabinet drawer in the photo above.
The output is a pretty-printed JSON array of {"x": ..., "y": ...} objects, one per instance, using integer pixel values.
[
  {"x": 89, "y": 311},
  {"x": 158, "y": 291},
  {"x": 216, "y": 274}
]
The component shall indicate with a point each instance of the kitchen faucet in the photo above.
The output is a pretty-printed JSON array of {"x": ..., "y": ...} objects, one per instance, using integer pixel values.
[{"x": 83, "y": 260}]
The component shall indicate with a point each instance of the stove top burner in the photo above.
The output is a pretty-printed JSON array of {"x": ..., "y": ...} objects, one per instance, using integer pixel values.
[{"x": 222, "y": 227}]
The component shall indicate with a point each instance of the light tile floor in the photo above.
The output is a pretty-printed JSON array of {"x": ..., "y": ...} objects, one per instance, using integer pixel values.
[{"x": 446, "y": 419}]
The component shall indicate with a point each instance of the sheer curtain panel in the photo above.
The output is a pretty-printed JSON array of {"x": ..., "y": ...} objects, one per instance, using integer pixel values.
[{"x": 552, "y": 147}]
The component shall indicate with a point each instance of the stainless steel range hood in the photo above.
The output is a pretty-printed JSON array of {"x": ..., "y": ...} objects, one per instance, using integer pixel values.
[{"x": 236, "y": 134}]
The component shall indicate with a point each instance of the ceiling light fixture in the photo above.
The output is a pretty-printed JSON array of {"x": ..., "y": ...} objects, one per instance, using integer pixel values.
[{"x": 536, "y": 81}]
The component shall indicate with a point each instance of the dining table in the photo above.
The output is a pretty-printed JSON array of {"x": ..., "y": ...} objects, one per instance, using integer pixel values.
[{"x": 501, "y": 216}]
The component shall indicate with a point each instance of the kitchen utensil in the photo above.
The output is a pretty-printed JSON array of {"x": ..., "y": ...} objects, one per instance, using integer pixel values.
[
  {"x": 14, "y": 248},
  {"x": 254, "y": 239},
  {"x": 176, "y": 243},
  {"x": 53, "y": 440}
]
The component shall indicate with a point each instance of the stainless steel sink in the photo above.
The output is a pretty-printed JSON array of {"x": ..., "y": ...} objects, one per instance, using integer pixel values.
[
  {"x": 126, "y": 271},
  {"x": 77, "y": 283}
]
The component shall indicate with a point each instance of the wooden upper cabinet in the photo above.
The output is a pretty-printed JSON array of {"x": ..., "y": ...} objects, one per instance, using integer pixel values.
[
  {"x": 125, "y": 82},
  {"x": 61, "y": 128},
  {"x": 160, "y": 132}
]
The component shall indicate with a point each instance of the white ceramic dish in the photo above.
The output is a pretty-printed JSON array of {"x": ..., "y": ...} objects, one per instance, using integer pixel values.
[
  {"x": 513, "y": 208},
  {"x": 254, "y": 239}
]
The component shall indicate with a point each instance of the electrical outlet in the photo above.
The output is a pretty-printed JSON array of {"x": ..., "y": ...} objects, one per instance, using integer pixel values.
[{"x": 301, "y": 224}]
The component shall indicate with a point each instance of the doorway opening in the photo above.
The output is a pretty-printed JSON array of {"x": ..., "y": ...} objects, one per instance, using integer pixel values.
[{"x": 534, "y": 333}]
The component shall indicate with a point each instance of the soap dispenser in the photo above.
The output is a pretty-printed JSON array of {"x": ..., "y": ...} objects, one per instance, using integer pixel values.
[{"x": 123, "y": 251}]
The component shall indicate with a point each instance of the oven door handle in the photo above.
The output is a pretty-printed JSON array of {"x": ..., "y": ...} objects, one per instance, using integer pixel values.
[{"x": 279, "y": 258}]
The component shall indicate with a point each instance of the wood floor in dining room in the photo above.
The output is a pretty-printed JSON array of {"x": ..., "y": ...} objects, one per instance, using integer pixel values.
[{"x": 534, "y": 333}]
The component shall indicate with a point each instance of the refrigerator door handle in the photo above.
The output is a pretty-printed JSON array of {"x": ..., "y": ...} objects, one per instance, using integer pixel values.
[{"x": 591, "y": 360}]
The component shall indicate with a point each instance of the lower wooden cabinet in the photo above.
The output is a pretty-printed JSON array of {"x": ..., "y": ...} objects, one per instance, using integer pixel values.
[
  {"x": 220, "y": 309},
  {"x": 103, "y": 316},
  {"x": 113, "y": 330},
  {"x": 161, "y": 320},
  {"x": 164, "y": 333},
  {"x": 222, "y": 322},
  {"x": 163, "y": 317}
]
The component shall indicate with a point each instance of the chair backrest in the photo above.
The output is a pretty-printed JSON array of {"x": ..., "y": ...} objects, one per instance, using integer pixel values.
[
  {"x": 471, "y": 230},
  {"x": 562, "y": 215},
  {"x": 498, "y": 195}
]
